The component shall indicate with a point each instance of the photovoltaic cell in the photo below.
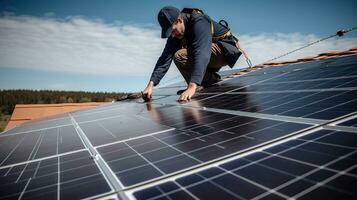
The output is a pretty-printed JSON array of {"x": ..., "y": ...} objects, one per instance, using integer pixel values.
[
  {"x": 305, "y": 168},
  {"x": 318, "y": 105},
  {"x": 195, "y": 141},
  {"x": 72, "y": 176},
  {"x": 62, "y": 120},
  {"x": 119, "y": 128},
  {"x": 24, "y": 147}
]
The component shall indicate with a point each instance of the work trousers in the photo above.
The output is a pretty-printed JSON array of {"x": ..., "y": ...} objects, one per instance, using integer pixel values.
[{"x": 183, "y": 61}]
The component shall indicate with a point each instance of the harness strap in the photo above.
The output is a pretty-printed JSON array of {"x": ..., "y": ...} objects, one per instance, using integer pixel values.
[
  {"x": 243, "y": 52},
  {"x": 223, "y": 36}
]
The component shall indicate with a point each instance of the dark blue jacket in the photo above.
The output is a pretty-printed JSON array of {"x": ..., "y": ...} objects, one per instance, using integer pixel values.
[{"x": 198, "y": 39}]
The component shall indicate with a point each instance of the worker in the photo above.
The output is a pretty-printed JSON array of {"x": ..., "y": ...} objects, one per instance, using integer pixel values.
[{"x": 199, "y": 46}]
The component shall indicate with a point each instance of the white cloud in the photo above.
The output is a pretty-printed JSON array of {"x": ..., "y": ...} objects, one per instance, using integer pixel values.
[
  {"x": 77, "y": 44},
  {"x": 265, "y": 46}
]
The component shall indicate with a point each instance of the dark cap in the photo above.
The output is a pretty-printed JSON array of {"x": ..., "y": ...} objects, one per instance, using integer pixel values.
[{"x": 166, "y": 17}]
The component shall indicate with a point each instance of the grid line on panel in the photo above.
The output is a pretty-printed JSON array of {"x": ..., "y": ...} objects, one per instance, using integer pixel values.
[
  {"x": 23, "y": 191},
  {"x": 200, "y": 166},
  {"x": 324, "y": 182},
  {"x": 306, "y": 163},
  {"x": 150, "y": 163},
  {"x": 36, "y": 170},
  {"x": 314, "y": 103},
  {"x": 108, "y": 131},
  {"x": 316, "y": 129},
  {"x": 221, "y": 187},
  {"x": 329, "y": 144},
  {"x": 37, "y": 125},
  {"x": 317, "y": 168},
  {"x": 269, "y": 191},
  {"x": 57, "y": 141},
  {"x": 18, "y": 144},
  {"x": 37, "y": 146},
  {"x": 96, "y": 110},
  {"x": 271, "y": 108},
  {"x": 134, "y": 138},
  {"x": 255, "y": 183},
  {"x": 18, "y": 178},
  {"x": 239, "y": 88},
  {"x": 43, "y": 158},
  {"x": 262, "y": 115},
  {"x": 259, "y": 88},
  {"x": 108, "y": 174},
  {"x": 268, "y": 116},
  {"x": 292, "y": 90},
  {"x": 172, "y": 145},
  {"x": 190, "y": 193},
  {"x": 274, "y": 114},
  {"x": 51, "y": 178},
  {"x": 310, "y": 114},
  {"x": 58, "y": 178},
  {"x": 346, "y": 76},
  {"x": 321, "y": 70},
  {"x": 184, "y": 153},
  {"x": 315, "y": 79},
  {"x": 34, "y": 130}
]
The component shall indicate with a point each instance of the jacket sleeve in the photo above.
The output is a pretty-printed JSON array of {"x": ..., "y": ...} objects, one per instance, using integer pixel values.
[
  {"x": 164, "y": 62},
  {"x": 201, "y": 48}
]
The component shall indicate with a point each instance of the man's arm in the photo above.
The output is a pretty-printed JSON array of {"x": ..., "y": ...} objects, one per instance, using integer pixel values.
[
  {"x": 201, "y": 49},
  {"x": 164, "y": 62},
  {"x": 161, "y": 67}
]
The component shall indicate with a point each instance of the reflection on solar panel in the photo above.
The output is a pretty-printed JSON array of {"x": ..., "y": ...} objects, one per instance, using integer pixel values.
[{"x": 275, "y": 133}]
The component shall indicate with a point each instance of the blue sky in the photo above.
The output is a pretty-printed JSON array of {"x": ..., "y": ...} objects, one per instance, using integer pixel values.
[{"x": 113, "y": 45}]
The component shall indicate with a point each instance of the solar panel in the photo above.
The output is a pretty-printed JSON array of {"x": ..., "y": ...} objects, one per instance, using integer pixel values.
[
  {"x": 281, "y": 132},
  {"x": 25, "y": 147},
  {"x": 321, "y": 165},
  {"x": 71, "y": 176},
  {"x": 191, "y": 144}
]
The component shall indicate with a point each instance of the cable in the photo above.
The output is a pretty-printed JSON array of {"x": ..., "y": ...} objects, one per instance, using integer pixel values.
[{"x": 339, "y": 33}]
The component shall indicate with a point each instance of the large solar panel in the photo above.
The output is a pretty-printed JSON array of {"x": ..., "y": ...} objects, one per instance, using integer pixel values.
[
  {"x": 320, "y": 165},
  {"x": 275, "y": 133}
]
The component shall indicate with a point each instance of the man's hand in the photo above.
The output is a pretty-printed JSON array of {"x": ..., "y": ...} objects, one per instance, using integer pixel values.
[
  {"x": 147, "y": 93},
  {"x": 189, "y": 92}
]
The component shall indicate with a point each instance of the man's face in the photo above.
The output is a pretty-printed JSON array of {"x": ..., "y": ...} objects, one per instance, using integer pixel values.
[{"x": 178, "y": 28}]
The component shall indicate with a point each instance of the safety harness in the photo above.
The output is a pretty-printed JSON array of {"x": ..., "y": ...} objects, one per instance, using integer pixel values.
[{"x": 193, "y": 11}]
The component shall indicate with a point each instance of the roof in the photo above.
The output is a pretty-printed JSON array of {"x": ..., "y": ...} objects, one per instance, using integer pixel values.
[
  {"x": 321, "y": 56},
  {"x": 282, "y": 132},
  {"x": 26, "y": 112}
]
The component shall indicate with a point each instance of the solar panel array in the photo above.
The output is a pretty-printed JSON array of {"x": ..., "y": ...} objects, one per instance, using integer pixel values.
[{"x": 274, "y": 133}]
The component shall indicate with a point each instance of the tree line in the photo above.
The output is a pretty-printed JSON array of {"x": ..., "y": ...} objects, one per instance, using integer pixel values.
[{"x": 9, "y": 98}]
